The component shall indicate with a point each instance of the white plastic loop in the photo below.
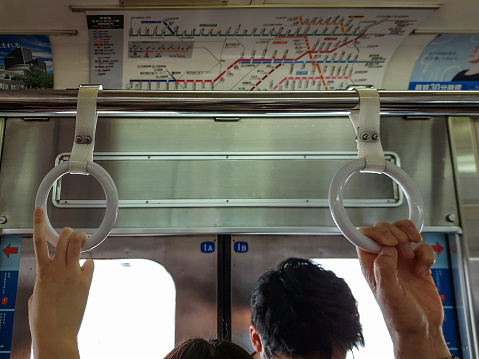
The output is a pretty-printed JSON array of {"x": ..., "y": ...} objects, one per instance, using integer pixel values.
[
  {"x": 111, "y": 202},
  {"x": 85, "y": 128},
  {"x": 365, "y": 120},
  {"x": 81, "y": 162},
  {"x": 414, "y": 199}
]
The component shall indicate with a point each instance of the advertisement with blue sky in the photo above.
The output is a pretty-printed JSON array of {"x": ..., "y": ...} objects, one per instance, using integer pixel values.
[
  {"x": 25, "y": 62},
  {"x": 449, "y": 62},
  {"x": 39, "y": 45}
]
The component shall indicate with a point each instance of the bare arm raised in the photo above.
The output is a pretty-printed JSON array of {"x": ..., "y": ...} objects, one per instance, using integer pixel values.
[
  {"x": 60, "y": 295},
  {"x": 400, "y": 279}
]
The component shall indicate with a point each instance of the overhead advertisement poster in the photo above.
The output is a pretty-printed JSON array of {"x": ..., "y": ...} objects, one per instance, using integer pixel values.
[
  {"x": 449, "y": 62},
  {"x": 25, "y": 62},
  {"x": 246, "y": 49}
]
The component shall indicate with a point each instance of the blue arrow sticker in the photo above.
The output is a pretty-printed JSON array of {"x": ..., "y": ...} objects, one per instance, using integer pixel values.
[
  {"x": 207, "y": 247},
  {"x": 241, "y": 247}
]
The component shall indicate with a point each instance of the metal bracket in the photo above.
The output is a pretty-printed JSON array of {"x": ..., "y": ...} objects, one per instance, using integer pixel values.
[
  {"x": 365, "y": 119},
  {"x": 85, "y": 129}
]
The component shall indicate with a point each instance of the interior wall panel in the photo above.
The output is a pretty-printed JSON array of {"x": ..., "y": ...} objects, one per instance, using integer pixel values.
[{"x": 414, "y": 143}]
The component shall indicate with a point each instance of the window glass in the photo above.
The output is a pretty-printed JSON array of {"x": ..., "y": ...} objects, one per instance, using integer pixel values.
[
  {"x": 130, "y": 311},
  {"x": 378, "y": 344}
]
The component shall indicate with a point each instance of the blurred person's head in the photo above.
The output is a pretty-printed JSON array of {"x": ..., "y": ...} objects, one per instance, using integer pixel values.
[
  {"x": 199, "y": 348},
  {"x": 303, "y": 311}
]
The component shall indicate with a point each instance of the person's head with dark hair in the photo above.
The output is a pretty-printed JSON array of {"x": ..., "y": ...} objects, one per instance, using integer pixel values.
[
  {"x": 199, "y": 348},
  {"x": 303, "y": 311}
]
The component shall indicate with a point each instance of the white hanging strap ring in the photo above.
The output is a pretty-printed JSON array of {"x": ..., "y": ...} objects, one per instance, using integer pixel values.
[
  {"x": 81, "y": 162},
  {"x": 371, "y": 159},
  {"x": 414, "y": 200},
  {"x": 111, "y": 202}
]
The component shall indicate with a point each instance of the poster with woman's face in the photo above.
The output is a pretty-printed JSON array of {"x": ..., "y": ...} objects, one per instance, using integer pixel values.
[{"x": 449, "y": 62}]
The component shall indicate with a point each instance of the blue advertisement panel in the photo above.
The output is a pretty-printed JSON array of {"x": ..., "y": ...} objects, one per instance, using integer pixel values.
[
  {"x": 442, "y": 279},
  {"x": 6, "y": 329},
  {"x": 442, "y": 275},
  {"x": 449, "y": 329},
  {"x": 448, "y": 63},
  {"x": 8, "y": 282},
  {"x": 10, "y": 247}
]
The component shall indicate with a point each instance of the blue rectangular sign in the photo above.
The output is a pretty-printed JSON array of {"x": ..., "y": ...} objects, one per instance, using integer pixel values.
[
  {"x": 6, "y": 329},
  {"x": 241, "y": 247},
  {"x": 10, "y": 247},
  {"x": 442, "y": 276},
  {"x": 207, "y": 247}
]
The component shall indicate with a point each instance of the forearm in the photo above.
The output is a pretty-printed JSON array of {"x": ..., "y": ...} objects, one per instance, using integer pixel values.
[
  {"x": 415, "y": 346},
  {"x": 57, "y": 305},
  {"x": 61, "y": 349}
]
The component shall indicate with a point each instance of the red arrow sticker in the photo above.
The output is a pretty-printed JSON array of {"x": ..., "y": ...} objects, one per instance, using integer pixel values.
[
  {"x": 437, "y": 248},
  {"x": 10, "y": 250}
]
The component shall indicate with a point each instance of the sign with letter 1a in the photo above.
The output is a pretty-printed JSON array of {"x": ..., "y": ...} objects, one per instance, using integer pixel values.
[{"x": 207, "y": 247}]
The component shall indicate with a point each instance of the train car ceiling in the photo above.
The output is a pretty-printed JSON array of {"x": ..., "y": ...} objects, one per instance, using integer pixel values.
[{"x": 71, "y": 53}]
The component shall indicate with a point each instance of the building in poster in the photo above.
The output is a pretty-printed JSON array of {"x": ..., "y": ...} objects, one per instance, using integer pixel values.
[
  {"x": 25, "y": 62},
  {"x": 13, "y": 76}
]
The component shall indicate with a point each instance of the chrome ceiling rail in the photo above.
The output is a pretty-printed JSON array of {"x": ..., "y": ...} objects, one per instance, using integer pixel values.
[
  {"x": 143, "y": 232},
  {"x": 116, "y": 103}
]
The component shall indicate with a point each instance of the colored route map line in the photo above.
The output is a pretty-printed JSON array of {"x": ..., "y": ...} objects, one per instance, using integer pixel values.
[{"x": 261, "y": 49}]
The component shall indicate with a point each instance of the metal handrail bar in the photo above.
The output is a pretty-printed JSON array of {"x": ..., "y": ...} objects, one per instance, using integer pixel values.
[{"x": 117, "y": 102}]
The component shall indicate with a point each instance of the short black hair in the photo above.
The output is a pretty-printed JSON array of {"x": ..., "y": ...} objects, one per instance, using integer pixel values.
[
  {"x": 199, "y": 348},
  {"x": 301, "y": 310}
]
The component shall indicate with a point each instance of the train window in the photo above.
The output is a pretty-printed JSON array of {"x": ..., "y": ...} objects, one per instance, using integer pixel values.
[
  {"x": 378, "y": 344},
  {"x": 130, "y": 311}
]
